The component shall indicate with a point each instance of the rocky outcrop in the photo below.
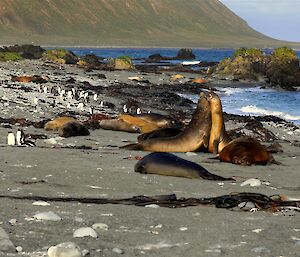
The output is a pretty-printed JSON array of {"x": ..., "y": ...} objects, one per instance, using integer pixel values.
[
  {"x": 185, "y": 54},
  {"x": 26, "y": 51},
  {"x": 62, "y": 56},
  {"x": 121, "y": 63},
  {"x": 281, "y": 68}
]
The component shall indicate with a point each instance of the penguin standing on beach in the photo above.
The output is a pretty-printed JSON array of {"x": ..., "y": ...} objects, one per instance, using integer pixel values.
[
  {"x": 20, "y": 137},
  {"x": 11, "y": 140}
]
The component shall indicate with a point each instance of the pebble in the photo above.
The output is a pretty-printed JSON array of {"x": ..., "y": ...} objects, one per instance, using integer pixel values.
[
  {"x": 5, "y": 244},
  {"x": 41, "y": 203},
  {"x": 118, "y": 250},
  {"x": 50, "y": 216},
  {"x": 100, "y": 226},
  {"x": 183, "y": 229},
  {"x": 19, "y": 249},
  {"x": 261, "y": 250},
  {"x": 257, "y": 230},
  {"x": 67, "y": 249},
  {"x": 246, "y": 206},
  {"x": 155, "y": 206},
  {"x": 252, "y": 182},
  {"x": 190, "y": 154},
  {"x": 85, "y": 232}
]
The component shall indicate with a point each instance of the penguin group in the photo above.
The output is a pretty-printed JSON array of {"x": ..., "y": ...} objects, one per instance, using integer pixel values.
[{"x": 18, "y": 139}]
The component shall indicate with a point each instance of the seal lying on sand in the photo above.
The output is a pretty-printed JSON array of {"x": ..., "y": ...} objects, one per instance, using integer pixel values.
[
  {"x": 73, "y": 129},
  {"x": 167, "y": 164},
  {"x": 159, "y": 120},
  {"x": 119, "y": 125},
  {"x": 246, "y": 151},
  {"x": 192, "y": 138},
  {"x": 218, "y": 138},
  {"x": 58, "y": 123},
  {"x": 160, "y": 133}
]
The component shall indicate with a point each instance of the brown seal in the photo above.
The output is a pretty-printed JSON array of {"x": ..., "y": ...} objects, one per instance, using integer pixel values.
[
  {"x": 58, "y": 123},
  {"x": 159, "y": 120},
  {"x": 167, "y": 164},
  {"x": 119, "y": 125},
  {"x": 73, "y": 129},
  {"x": 160, "y": 133},
  {"x": 246, "y": 151},
  {"x": 192, "y": 138},
  {"x": 218, "y": 138}
]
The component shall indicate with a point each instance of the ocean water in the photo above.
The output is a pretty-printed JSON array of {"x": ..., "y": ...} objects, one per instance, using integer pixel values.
[{"x": 253, "y": 101}]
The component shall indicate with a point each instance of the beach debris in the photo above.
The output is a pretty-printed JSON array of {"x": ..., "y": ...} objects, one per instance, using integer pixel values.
[
  {"x": 258, "y": 230},
  {"x": 19, "y": 249},
  {"x": 5, "y": 244},
  {"x": 85, "y": 232},
  {"x": 53, "y": 140},
  {"x": 48, "y": 216},
  {"x": 253, "y": 182},
  {"x": 100, "y": 227},
  {"x": 154, "y": 206},
  {"x": 118, "y": 250},
  {"x": 183, "y": 228},
  {"x": 67, "y": 249}
]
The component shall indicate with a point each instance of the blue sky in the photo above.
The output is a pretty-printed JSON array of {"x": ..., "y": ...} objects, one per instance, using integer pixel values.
[{"x": 276, "y": 18}]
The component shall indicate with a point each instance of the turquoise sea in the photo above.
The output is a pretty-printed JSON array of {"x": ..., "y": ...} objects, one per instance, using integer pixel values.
[{"x": 254, "y": 101}]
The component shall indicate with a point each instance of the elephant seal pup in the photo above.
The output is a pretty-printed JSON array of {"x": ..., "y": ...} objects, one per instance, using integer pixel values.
[
  {"x": 218, "y": 138},
  {"x": 167, "y": 164},
  {"x": 160, "y": 133},
  {"x": 246, "y": 151},
  {"x": 73, "y": 129},
  {"x": 192, "y": 138},
  {"x": 119, "y": 125},
  {"x": 58, "y": 123}
]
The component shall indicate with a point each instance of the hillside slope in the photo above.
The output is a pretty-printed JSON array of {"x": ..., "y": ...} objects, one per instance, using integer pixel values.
[{"x": 166, "y": 23}]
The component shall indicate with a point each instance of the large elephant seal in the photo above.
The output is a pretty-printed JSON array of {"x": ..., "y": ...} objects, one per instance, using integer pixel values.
[
  {"x": 119, "y": 125},
  {"x": 58, "y": 123},
  {"x": 73, "y": 129},
  {"x": 160, "y": 133},
  {"x": 159, "y": 120},
  {"x": 167, "y": 164},
  {"x": 218, "y": 138},
  {"x": 246, "y": 151},
  {"x": 192, "y": 138}
]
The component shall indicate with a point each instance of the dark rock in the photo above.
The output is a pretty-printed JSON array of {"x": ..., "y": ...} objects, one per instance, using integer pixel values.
[
  {"x": 185, "y": 54},
  {"x": 26, "y": 51},
  {"x": 92, "y": 59}
]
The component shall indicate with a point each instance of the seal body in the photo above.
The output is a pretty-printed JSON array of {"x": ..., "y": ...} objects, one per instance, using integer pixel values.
[
  {"x": 167, "y": 164},
  {"x": 218, "y": 137},
  {"x": 160, "y": 133},
  {"x": 246, "y": 151},
  {"x": 119, "y": 125},
  {"x": 73, "y": 129},
  {"x": 159, "y": 120},
  {"x": 192, "y": 138},
  {"x": 58, "y": 123}
]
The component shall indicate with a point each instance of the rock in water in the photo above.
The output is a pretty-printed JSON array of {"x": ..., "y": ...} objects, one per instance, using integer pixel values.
[
  {"x": 84, "y": 232},
  {"x": 67, "y": 249},
  {"x": 5, "y": 244}
]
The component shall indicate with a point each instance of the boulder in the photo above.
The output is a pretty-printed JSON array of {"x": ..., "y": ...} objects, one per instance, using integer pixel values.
[
  {"x": 185, "y": 54},
  {"x": 121, "y": 63},
  {"x": 62, "y": 56}
]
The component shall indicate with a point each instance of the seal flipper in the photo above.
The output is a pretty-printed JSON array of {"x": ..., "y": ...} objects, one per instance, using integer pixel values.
[
  {"x": 132, "y": 147},
  {"x": 216, "y": 145}
]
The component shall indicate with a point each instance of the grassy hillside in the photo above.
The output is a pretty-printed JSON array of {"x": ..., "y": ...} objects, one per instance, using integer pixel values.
[{"x": 166, "y": 23}]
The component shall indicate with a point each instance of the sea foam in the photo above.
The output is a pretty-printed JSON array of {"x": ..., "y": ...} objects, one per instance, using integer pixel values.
[{"x": 260, "y": 111}]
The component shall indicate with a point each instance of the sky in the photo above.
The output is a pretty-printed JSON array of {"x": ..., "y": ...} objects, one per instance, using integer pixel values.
[{"x": 279, "y": 19}]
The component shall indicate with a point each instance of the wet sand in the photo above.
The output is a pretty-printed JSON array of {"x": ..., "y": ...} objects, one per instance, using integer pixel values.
[{"x": 108, "y": 172}]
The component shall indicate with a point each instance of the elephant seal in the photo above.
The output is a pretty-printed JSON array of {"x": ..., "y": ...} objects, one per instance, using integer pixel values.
[
  {"x": 73, "y": 129},
  {"x": 58, "y": 123},
  {"x": 246, "y": 151},
  {"x": 119, "y": 125},
  {"x": 160, "y": 120},
  {"x": 167, "y": 164},
  {"x": 218, "y": 137},
  {"x": 160, "y": 133},
  {"x": 144, "y": 125},
  {"x": 192, "y": 138}
]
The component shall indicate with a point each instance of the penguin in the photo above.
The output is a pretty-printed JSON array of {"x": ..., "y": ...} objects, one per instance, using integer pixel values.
[
  {"x": 11, "y": 140},
  {"x": 59, "y": 89},
  {"x": 80, "y": 106},
  {"x": 138, "y": 111},
  {"x": 91, "y": 110},
  {"x": 45, "y": 90},
  {"x": 101, "y": 104},
  {"x": 73, "y": 91},
  {"x": 95, "y": 97},
  {"x": 125, "y": 110},
  {"x": 20, "y": 137},
  {"x": 70, "y": 96},
  {"x": 35, "y": 101}
]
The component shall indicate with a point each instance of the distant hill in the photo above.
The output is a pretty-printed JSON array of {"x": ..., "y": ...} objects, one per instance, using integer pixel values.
[{"x": 164, "y": 23}]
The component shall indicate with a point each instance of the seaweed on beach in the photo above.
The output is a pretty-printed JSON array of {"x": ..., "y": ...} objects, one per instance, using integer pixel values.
[{"x": 261, "y": 202}]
